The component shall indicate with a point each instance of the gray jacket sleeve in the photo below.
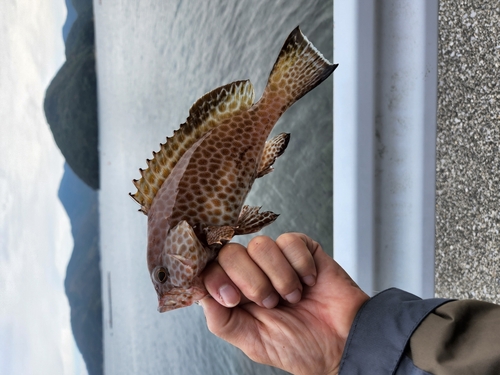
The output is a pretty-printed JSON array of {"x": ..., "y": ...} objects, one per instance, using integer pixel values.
[{"x": 398, "y": 333}]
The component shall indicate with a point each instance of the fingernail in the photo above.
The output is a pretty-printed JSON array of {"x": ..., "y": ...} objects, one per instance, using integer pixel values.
[
  {"x": 293, "y": 297},
  {"x": 230, "y": 297},
  {"x": 309, "y": 280},
  {"x": 271, "y": 301}
]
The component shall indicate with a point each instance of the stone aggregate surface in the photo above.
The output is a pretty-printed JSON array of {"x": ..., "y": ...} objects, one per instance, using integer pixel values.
[{"x": 468, "y": 151}]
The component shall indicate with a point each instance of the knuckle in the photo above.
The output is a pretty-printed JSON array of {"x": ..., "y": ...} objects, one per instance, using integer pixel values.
[
  {"x": 301, "y": 260},
  {"x": 288, "y": 285},
  {"x": 296, "y": 251},
  {"x": 230, "y": 252},
  {"x": 286, "y": 239},
  {"x": 259, "y": 244},
  {"x": 257, "y": 291}
]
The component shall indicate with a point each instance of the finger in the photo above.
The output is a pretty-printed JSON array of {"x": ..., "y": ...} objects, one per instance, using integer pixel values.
[
  {"x": 298, "y": 249},
  {"x": 220, "y": 286},
  {"x": 247, "y": 276},
  {"x": 269, "y": 257}
]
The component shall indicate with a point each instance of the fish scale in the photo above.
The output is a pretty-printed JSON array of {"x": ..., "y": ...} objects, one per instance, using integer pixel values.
[{"x": 194, "y": 188}]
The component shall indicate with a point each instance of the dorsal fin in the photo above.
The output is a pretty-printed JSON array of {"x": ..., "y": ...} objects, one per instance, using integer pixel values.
[{"x": 205, "y": 114}]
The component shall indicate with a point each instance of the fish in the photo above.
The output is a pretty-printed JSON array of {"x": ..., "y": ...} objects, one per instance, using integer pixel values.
[{"x": 194, "y": 188}]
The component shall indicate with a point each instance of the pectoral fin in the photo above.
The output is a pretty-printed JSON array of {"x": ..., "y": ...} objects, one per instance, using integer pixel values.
[{"x": 274, "y": 148}]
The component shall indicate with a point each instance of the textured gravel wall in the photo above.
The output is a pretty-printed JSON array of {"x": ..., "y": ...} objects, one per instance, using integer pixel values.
[{"x": 468, "y": 151}]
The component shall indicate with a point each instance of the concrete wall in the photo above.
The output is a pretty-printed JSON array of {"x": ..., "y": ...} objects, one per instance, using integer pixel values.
[{"x": 468, "y": 151}]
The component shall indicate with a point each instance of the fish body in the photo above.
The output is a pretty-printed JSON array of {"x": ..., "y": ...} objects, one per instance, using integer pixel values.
[{"x": 194, "y": 188}]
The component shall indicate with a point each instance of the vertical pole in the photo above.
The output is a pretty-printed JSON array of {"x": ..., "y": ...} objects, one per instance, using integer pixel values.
[
  {"x": 384, "y": 150},
  {"x": 353, "y": 139}
]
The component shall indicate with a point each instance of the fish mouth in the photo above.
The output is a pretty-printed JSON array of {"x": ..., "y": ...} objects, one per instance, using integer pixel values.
[
  {"x": 171, "y": 305},
  {"x": 176, "y": 299}
]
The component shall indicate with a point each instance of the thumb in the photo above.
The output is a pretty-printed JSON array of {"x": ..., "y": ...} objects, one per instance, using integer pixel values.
[{"x": 230, "y": 324}]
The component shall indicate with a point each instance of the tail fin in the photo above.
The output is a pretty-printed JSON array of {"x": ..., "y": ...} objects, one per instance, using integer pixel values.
[{"x": 300, "y": 67}]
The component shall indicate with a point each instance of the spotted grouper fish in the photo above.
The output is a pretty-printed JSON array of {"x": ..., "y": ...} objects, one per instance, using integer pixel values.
[{"x": 194, "y": 188}]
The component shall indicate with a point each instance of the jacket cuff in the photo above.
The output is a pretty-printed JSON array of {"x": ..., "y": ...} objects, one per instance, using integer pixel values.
[{"x": 381, "y": 330}]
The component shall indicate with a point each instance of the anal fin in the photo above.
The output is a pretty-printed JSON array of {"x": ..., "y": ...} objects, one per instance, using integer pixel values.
[
  {"x": 274, "y": 148},
  {"x": 251, "y": 220}
]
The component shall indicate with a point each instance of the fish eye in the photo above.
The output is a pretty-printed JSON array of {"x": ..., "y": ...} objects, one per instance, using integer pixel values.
[{"x": 161, "y": 274}]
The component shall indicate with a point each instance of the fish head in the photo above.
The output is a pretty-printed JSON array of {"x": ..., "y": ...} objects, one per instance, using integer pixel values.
[
  {"x": 175, "y": 271},
  {"x": 176, "y": 285}
]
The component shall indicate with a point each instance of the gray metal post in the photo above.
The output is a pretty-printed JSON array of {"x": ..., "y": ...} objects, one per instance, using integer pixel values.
[
  {"x": 384, "y": 156},
  {"x": 353, "y": 139}
]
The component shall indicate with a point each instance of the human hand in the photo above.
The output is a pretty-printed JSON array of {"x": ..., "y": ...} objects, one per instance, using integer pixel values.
[{"x": 305, "y": 331}]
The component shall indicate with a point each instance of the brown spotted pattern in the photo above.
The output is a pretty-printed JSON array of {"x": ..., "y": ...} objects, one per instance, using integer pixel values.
[
  {"x": 194, "y": 189},
  {"x": 204, "y": 115}
]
